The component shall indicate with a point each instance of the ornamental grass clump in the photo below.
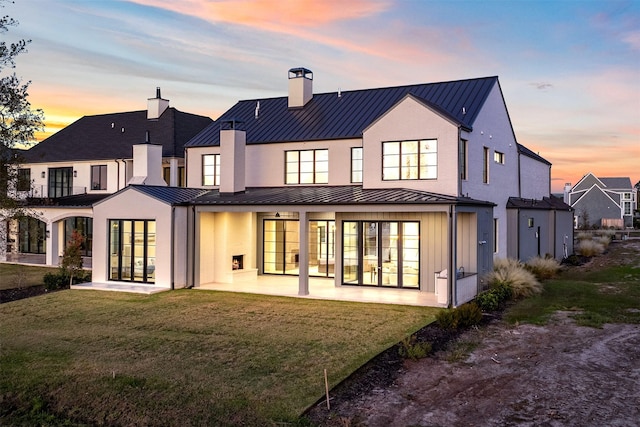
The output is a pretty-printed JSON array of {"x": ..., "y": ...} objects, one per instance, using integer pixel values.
[
  {"x": 543, "y": 268},
  {"x": 513, "y": 274},
  {"x": 604, "y": 240},
  {"x": 589, "y": 248}
]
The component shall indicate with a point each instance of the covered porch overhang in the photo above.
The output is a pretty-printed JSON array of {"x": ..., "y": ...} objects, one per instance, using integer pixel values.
[{"x": 305, "y": 204}]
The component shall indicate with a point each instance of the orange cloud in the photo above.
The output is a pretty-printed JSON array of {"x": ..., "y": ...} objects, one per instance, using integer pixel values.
[{"x": 272, "y": 15}]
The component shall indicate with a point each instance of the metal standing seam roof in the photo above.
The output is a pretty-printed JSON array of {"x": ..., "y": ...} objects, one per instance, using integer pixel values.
[
  {"x": 329, "y": 195},
  {"x": 525, "y": 151},
  {"x": 329, "y": 116},
  {"x": 170, "y": 195},
  {"x": 75, "y": 201},
  {"x": 546, "y": 203}
]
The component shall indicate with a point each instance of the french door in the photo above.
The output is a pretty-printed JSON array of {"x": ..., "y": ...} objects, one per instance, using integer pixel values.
[
  {"x": 381, "y": 253},
  {"x": 132, "y": 250}
]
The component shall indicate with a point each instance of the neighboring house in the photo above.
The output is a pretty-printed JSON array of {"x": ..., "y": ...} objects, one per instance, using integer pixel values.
[
  {"x": 64, "y": 175},
  {"x": 402, "y": 188},
  {"x": 602, "y": 202}
]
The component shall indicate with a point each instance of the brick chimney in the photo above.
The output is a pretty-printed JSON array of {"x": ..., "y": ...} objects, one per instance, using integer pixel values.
[
  {"x": 300, "y": 87},
  {"x": 232, "y": 157},
  {"x": 156, "y": 106}
]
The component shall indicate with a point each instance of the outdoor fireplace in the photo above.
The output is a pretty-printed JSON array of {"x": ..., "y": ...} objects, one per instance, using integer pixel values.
[{"x": 237, "y": 262}]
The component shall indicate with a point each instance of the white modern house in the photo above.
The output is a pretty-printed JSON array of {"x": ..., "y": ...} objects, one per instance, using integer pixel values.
[
  {"x": 389, "y": 191},
  {"x": 64, "y": 175}
]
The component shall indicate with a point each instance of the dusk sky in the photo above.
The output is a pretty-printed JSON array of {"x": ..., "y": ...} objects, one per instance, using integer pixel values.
[{"x": 569, "y": 70}]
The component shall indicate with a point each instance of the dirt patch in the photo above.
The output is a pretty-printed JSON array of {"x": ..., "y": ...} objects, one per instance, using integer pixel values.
[
  {"x": 8, "y": 295},
  {"x": 557, "y": 375}
]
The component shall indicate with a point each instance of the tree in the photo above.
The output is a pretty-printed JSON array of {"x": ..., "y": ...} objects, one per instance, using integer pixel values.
[
  {"x": 72, "y": 256},
  {"x": 18, "y": 124}
]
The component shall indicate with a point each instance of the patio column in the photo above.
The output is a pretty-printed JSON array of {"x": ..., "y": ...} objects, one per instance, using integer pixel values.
[
  {"x": 303, "y": 265},
  {"x": 52, "y": 238},
  {"x": 4, "y": 232}
]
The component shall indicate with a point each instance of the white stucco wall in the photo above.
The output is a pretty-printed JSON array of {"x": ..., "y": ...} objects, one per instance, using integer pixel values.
[
  {"x": 265, "y": 163},
  {"x": 131, "y": 204},
  {"x": 412, "y": 120}
]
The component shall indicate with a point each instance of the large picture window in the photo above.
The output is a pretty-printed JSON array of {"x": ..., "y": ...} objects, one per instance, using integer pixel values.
[
  {"x": 84, "y": 226},
  {"x": 32, "y": 234},
  {"x": 410, "y": 160},
  {"x": 99, "y": 177},
  {"x": 381, "y": 253},
  {"x": 132, "y": 250},
  {"x": 60, "y": 182},
  {"x": 211, "y": 169},
  {"x": 307, "y": 167}
]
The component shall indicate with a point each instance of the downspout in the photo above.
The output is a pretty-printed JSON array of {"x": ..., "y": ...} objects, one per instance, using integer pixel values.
[
  {"x": 519, "y": 175},
  {"x": 452, "y": 272},
  {"x": 118, "y": 174},
  {"x": 173, "y": 244},
  {"x": 193, "y": 248}
]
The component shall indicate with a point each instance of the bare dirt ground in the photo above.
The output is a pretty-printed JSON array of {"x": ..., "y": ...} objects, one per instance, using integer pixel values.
[{"x": 560, "y": 374}]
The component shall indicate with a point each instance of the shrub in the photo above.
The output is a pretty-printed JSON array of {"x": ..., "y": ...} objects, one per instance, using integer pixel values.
[
  {"x": 543, "y": 268},
  {"x": 603, "y": 240},
  {"x": 469, "y": 314},
  {"x": 589, "y": 248},
  {"x": 488, "y": 300},
  {"x": 410, "y": 348},
  {"x": 512, "y": 273},
  {"x": 447, "y": 319},
  {"x": 461, "y": 317},
  {"x": 61, "y": 280}
]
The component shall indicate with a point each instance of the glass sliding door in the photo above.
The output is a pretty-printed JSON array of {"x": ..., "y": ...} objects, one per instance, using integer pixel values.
[
  {"x": 132, "y": 250},
  {"x": 381, "y": 253},
  {"x": 281, "y": 251},
  {"x": 322, "y": 248}
]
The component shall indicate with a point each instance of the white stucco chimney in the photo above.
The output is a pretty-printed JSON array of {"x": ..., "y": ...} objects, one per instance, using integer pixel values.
[
  {"x": 232, "y": 157},
  {"x": 567, "y": 191},
  {"x": 300, "y": 87},
  {"x": 147, "y": 164},
  {"x": 156, "y": 106}
]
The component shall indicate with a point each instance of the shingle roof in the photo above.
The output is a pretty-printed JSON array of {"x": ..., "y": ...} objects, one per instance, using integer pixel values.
[
  {"x": 76, "y": 201},
  {"x": 101, "y": 137},
  {"x": 617, "y": 183},
  {"x": 329, "y": 116},
  {"x": 330, "y": 195}
]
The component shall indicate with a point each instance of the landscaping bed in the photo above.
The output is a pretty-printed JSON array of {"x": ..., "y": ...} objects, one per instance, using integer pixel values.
[{"x": 504, "y": 374}]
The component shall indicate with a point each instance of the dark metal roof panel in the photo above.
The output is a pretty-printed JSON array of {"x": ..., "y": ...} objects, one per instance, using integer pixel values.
[
  {"x": 525, "y": 151},
  {"x": 329, "y": 116},
  {"x": 547, "y": 203},
  {"x": 170, "y": 195},
  {"x": 330, "y": 195},
  {"x": 75, "y": 201}
]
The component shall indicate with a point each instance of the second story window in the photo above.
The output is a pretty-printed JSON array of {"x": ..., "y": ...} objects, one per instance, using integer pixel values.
[
  {"x": 410, "y": 160},
  {"x": 24, "y": 180},
  {"x": 498, "y": 157},
  {"x": 307, "y": 167},
  {"x": 485, "y": 165},
  {"x": 356, "y": 164},
  {"x": 99, "y": 177},
  {"x": 463, "y": 159},
  {"x": 211, "y": 169},
  {"x": 60, "y": 182}
]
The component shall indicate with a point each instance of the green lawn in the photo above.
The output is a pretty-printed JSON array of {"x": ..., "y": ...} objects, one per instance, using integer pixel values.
[
  {"x": 608, "y": 295},
  {"x": 184, "y": 357},
  {"x": 20, "y": 276}
]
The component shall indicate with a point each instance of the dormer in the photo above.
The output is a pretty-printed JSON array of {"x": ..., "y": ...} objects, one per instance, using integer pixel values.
[
  {"x": 300, "y": 87},
  {"x": 156, "y": 106}
]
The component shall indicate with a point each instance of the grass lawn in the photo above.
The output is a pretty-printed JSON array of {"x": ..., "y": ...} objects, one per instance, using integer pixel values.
[
  {"x": 20, "y": 276},
  {"x": 184, "y": 357},
  {"x": 608, "y": 295}
]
